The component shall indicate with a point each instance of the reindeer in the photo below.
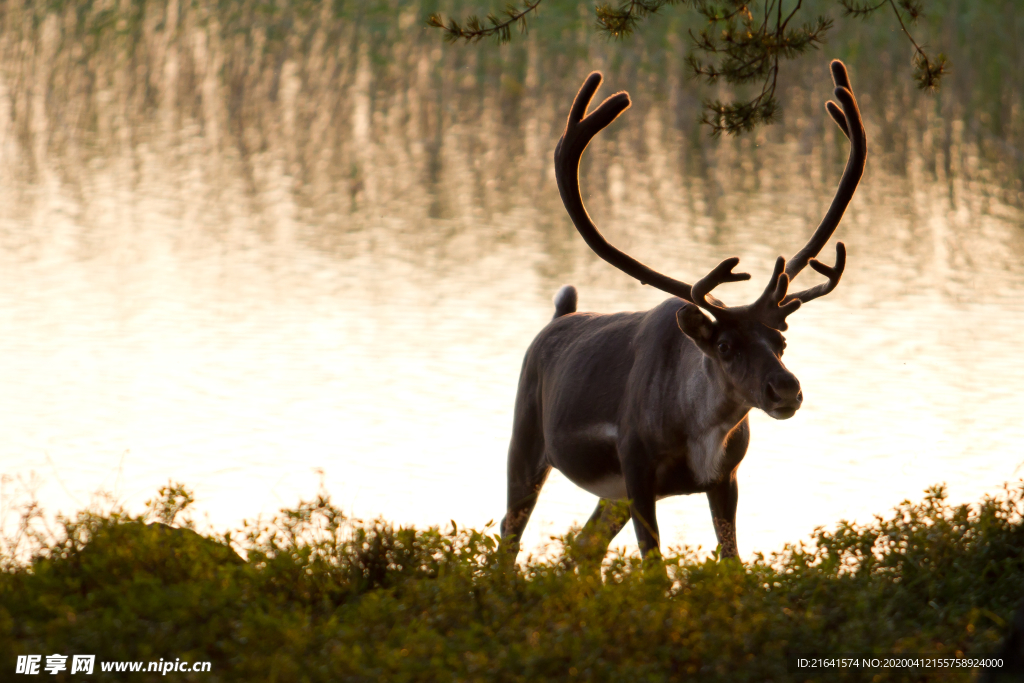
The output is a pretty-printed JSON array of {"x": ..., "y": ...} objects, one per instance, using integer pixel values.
[{"x": 644, "y": 405}]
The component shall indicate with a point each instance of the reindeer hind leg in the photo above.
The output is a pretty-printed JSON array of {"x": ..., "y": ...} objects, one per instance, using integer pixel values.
[
  {"x": 527, "y": 471},
  {"x": 523, "y": 493},
  {"x": 608, "y": 519}
]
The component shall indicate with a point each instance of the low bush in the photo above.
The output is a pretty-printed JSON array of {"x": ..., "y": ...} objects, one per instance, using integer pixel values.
[{"x": 320, "y": 597}]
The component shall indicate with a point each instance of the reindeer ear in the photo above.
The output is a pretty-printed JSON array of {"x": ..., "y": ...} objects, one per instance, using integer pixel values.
[{"x": 695, "y": 325}]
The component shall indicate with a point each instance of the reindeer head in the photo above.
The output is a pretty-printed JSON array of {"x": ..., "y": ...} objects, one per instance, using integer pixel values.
[{"x": 744, "y": 342}]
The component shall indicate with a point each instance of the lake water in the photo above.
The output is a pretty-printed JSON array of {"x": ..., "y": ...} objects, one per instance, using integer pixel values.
[{"x": 252, "y": 274}]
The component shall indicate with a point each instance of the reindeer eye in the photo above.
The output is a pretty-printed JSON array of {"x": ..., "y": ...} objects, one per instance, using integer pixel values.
[{"x": 724, "y": 348}]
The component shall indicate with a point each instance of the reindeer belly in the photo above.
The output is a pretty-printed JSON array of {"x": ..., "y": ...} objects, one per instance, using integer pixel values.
[
  {"x": 611, "y": 486},
  {"x": 589, "y": 458}
]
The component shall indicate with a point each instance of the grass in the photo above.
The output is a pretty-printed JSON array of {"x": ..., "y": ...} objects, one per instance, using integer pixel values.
[{"x": 320, "y": 597}]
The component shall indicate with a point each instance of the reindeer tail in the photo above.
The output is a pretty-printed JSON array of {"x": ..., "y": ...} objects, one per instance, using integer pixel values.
[{"x": 565, "y": 301}]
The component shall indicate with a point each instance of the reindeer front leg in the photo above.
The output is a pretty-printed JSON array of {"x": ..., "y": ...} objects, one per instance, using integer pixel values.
[
  {"x": 639, "y": 473},
  {"x": 723, "y": 498}
]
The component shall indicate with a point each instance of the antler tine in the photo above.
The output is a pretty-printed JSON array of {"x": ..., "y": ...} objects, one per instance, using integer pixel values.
[
  {"x": 840, "y": 76},
  {"x": 722, "y": 273},
  {"x": 580, "y": 129},
  {"x": 838, "y": 116},
  {"x": 772, "y": 307},
  {"x": 847, "y": 116},
  {"x": 833, "y": 274},
  {"x": 841, "y": 79}
]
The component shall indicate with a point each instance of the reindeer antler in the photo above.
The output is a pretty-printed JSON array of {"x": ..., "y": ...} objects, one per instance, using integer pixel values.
[
  {"x": 833, "y": 273},
  {"x": 579, "y": 131},
  {"x": 773, "y": 305},
  {"x": 722, "y": 273},
  {"x": 847, "y": 116}
]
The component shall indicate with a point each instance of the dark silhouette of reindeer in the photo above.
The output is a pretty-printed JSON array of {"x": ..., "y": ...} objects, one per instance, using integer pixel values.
[{"x": 644, "y": 405}]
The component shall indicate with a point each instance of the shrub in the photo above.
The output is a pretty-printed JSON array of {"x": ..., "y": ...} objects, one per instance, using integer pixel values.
[{"x": 321, "y": 597}]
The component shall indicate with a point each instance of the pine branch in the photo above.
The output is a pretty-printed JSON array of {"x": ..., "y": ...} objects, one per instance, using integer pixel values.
[
  {"x": 738, "y": 46},
  {"x": 746, "y": 50},
  {"x": 851, "y": 8},
  {"x": 622, "y": 21},
  {"x": 927, "y": 73},
  {"x": 475, "y": 30}
]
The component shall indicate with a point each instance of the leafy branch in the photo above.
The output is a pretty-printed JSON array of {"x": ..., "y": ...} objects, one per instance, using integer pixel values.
[
  {"x": 743, "y": 44},
  {"x": 475, "y": 29},
  {"x": 745, "y": 48},
  {"x": 622, "y": 21},
  {"x": 926, "y": 72}
]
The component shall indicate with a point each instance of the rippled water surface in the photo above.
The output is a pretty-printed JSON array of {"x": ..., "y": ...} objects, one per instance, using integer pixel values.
[{"x": 242, "y": 271}]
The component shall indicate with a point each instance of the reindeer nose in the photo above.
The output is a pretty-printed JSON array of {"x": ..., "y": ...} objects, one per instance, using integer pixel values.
[{"x": 783, "y": 394}]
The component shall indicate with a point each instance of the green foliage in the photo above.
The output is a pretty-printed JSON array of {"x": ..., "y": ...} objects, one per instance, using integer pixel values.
[
  {"x": 623, "y": 19},
  {"x": 321, "y": 597},
  {"x": 927, "y": 72},
  {"x": 744, "y": 49},
  {"x": 173, "y": 499},
  {"x": 501, "y": 29},
  {"x": 742, "y": 43}
]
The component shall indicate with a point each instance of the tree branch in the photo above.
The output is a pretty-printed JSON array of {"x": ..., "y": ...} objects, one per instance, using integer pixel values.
[
  {"x": 623, "y": 20},
  {"x": 926, "y": 72},
  {"x": 740, "y": 48},
  {"x": 748, "y": 51},
  {"x": 475, "y": 30}
]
